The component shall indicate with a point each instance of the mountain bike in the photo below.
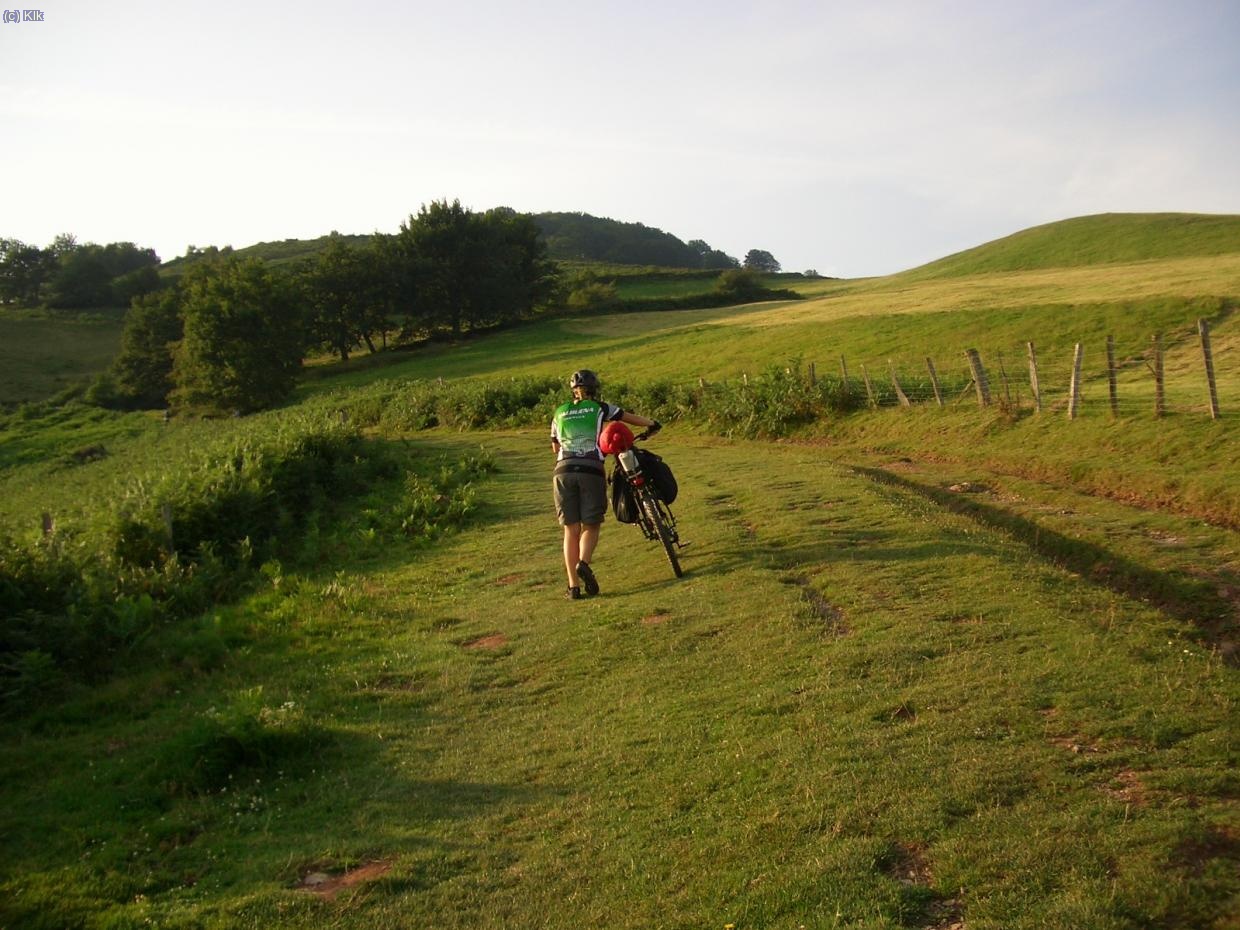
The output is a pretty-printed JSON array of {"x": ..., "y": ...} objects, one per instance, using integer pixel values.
[{"x": 653, "y": 515}]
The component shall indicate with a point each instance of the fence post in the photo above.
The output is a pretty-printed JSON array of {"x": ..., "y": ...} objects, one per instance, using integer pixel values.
[
  {"x": 904, "y": 401},
  {"x": 1111, "y": 376},
  {"x": 1033, "y": 377},
  {"x": 934, "y": 381},
  {"x": 979, "y": 378},
  {"x": 869, "y": 388},
  {"x": 1159, "y": 398},
  {"x": 813, "y": 375},
  {"x": 1074, "y": 390},
  {"x": 844, "y": 375},
  {"x": 49, "y": 525},
  {"x": 745, "y": 378},
  {"x": 1203, "y": 327},
  {"x": 701, "y": 382}
]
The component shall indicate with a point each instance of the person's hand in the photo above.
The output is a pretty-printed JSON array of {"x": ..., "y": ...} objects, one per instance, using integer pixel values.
[{"x": 653, "y": 428}]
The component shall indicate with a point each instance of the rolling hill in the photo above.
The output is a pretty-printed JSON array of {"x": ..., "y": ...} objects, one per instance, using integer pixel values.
[{"x": 1107, "y": 238}]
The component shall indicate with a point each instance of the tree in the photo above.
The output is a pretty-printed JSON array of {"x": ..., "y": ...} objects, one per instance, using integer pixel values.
[
  {"x": 24, "y": 270},
  {"x": 711, "y": 258},
  {"x": 740, "y": 284},
  {"x": 339, "y": 288},
  {"x": 761, "y": 261},
  {"x": 243, "y": 337},
  {"x": 99, "y": 275},
  {"x": 142, "y": 372},
  {"x": 462, "y": 268}
]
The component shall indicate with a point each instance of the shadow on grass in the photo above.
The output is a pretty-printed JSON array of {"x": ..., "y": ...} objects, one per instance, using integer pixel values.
[{"x": 1191, "y": 600}]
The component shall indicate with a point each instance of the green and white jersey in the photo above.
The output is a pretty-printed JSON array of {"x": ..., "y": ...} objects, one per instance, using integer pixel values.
[{"x": 576, "y": 425}]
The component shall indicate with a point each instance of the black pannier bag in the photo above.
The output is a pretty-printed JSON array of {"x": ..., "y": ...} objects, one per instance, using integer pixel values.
[
  {"x": 657, "y": 471},
  {"x": 622, "y": 503}
]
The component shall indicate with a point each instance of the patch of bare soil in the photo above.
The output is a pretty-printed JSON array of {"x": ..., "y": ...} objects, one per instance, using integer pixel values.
[
  {"x": 492, "y": 641},
  {"x": 656, "y": 617},
  {"x": 1127, "y": 787},
  {"x": 328, "y": 886},
  {"x": 831, "y": 617},
  {"x": 509, "y": 579},
  {"x": 909, "y": 866}
]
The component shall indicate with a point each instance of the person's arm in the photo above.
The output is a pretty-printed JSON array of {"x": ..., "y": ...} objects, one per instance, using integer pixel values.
[{"x": 637, "y": 419}]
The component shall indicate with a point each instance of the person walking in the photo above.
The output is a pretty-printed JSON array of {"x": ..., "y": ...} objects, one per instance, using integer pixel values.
[{"x": 579, "y": 485}]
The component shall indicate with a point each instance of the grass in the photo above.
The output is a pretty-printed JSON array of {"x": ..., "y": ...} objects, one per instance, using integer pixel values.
[
  {"x": 42, "y": 354},
  {"x": 928, "y": 667},
  {"x": 860, "y": 708},
  {"x": 1091, "y": 240}
]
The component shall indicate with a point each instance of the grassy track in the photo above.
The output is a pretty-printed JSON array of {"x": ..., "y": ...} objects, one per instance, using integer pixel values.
[{"x": 862, "y": 707}]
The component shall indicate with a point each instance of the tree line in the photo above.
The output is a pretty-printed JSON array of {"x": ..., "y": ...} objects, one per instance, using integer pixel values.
[
  {"x": 219, "y": 333},
  {"x": 68, "y": 275},
  {"x": 230, "y": 333}
]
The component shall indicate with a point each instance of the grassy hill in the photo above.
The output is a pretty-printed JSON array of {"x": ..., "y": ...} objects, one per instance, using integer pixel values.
[
  {"x": 929, "y": 667},
  {"x": 1107, "y": 238}
]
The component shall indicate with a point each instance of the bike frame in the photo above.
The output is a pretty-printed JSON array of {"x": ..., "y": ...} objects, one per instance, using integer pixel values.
[{"x": 653, "y": 515}]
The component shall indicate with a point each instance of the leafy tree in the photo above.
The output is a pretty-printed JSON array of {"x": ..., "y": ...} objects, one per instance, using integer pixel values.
[
  {"x": 711, "y": 258},
  {"x": 462, "y": 268},
  {"x": 740, "y": 284},
  {"x": 98, "y": 275},
  {"x": 579, "y": 236},
  {"x": 761, "y": 261},
  {"x": 340, "y": 289},
  {"x": 142, "y": 372},
  {"x": 24, "y": 271},
  {"x": 243, "y": 337}
]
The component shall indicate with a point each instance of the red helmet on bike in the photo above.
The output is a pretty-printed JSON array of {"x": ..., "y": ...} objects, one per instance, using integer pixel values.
[{"x": 615, "y": 438}]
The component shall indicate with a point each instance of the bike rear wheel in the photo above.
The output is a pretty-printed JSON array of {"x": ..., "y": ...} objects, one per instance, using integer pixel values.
[{"x": 650, "y": 506}]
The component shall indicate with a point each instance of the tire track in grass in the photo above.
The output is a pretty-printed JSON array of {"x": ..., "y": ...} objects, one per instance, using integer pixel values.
[{"x": 1194, "y": 601}]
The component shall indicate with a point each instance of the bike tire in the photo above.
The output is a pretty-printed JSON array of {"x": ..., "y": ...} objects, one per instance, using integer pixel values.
[{"x": 651, "y": 507}]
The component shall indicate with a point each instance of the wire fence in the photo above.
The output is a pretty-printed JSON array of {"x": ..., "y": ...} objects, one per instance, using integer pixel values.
[{"x": 1181, "y": 372}]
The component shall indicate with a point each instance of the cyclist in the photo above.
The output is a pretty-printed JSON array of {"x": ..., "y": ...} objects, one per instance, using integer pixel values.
[{"x": 580, "y": 487}]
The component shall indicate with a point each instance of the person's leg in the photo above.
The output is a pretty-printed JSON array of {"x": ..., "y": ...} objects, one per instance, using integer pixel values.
[
  {"x": 589, "y": 539},
  {"x": 572, "y": 552}
]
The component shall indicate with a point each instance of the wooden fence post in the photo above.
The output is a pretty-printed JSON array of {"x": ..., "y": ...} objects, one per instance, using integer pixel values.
[
  {"x": 1203, "y": 327},
  {"x": 844, "y": 375},
  {"x": 1111, "y": 376},
  {"x": 49, "y": 525},
  {"x": 869, "y": 388},
  {"x": 979, "y": 377},
  {"x": 1033, "y": 377},
  {"x": 701, "y": 382},
  {"x": 1159, "y": 398},
  {"x": 904, "y": 401},
  {"x": 813, "y": 375},
  {"x": 1074, "y": 390},
  {"x": 745, "y": 378},
  {"x": 934, "y": 381}
]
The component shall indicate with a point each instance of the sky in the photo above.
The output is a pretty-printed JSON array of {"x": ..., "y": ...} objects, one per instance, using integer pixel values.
[{"x": 854, "y": 138}]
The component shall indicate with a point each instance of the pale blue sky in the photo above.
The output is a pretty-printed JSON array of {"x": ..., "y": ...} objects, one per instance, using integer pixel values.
[{"x": 855, "y": 138}]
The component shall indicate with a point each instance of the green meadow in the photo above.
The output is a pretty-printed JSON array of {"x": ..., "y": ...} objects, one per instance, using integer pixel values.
[{"x": 944, "y": 667}]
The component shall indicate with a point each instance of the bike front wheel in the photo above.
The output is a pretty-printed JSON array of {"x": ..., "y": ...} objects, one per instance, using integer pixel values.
[{"x": 654, "y": 515}]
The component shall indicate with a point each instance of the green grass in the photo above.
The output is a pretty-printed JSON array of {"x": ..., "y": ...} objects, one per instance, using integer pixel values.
[
  {"x": 927, "y": 667},
  {"x": 1091, "y": 240},
  {"x": 43, "y": 354},
  {"x": 859, "y": 708}
]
